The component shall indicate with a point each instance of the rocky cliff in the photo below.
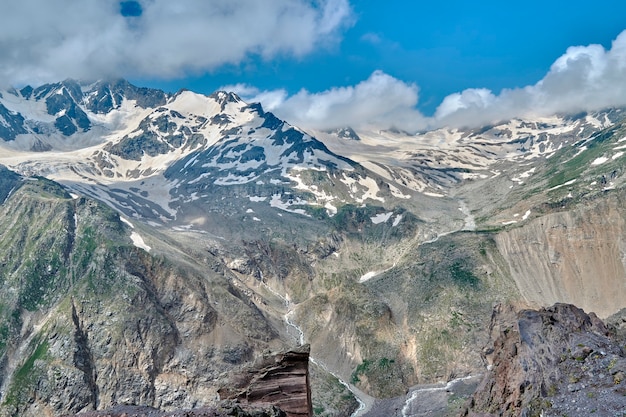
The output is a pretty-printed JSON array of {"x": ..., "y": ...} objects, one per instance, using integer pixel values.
[
  {"x": 575, "y": 254},
  {"x": 281, "y": 380},
  {"x": 552, "y": 362},
  {"x": 89, "y": 320}
]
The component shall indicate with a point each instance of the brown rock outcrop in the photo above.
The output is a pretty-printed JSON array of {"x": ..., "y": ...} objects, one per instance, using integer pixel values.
[
  {"x": 281, "y": 380},
  {"x": 558, "y": 360}
]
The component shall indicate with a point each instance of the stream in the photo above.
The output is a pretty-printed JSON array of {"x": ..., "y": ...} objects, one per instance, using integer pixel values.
[{"x": 362, "y": 398}]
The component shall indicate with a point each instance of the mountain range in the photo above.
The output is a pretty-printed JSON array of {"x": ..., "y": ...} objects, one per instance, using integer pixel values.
[{"x": 153, "y": 243}]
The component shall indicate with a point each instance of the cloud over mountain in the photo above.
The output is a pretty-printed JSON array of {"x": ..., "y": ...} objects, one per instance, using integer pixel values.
[
  {"x": 380, "y": 101},
  {"x": 156, "y": 38},
  {"x": 584, "y": 78}
]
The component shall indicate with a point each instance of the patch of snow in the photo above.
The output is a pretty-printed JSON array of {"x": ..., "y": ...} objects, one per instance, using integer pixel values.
[
  {"x": 600, "y": 161},
  {"x": 523, "y": 175},
  {"x": 9, "y": 195},
  {"x": 570, "y": 182},
  {"x": 581, "y": 150},
  {"x": 397, "y": 193},
  {"x": 525, "y": 216},
  {"x": 231, "y": 179},
  {"x": 127, "y": 222},
  {"x": 183, "y": 227},
  {"x": 381, "y": 218},
  {"x": 362, "y": 188},
  {"x": 397, "y": 220},
  {"x": 257, "y": 199},
  {"x": 470, "y": 222},
  {"x": 320, "y": 195},
  {"x": 368, "y": 276},
  {"x": 256, "y": 219},
  {"x": 138, "y": 242},
  {"x": 509, "y": 222},
  {"x": 434, "y": 194},
  {"x": 617, "y": 155},
  {"x": 276, "y": 202},
  {"x": 249, "y": 211}
]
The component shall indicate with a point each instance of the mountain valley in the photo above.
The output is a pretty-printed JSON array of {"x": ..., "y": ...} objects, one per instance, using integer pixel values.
[{"x": 152, "y": 245}]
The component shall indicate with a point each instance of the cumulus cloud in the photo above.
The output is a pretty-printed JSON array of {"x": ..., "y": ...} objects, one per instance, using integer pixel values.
[
  {"x": 48, "y": 40},
  {"x": 585, "y": 78},
  {"x": 381, "y": 102}
]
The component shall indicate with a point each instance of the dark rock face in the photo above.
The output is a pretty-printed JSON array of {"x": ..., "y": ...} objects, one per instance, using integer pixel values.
[
  {"x": 11, "y": 124},
  {"x": 9, "y": 180},
  {"x": 555, "y": 361},
  {"x": 281, "y": 380},
  {"x": 69, "y": 103},
  {"x": 107, "y": 96}
]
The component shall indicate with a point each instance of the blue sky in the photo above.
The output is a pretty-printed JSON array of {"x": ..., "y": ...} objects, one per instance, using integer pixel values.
[
  {"x": 443, "y": 47},
  {"x": 323, "y": 63}
]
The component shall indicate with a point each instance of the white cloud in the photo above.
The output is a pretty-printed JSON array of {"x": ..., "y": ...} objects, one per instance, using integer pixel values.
[
  {"x": 372, "y": 38},
  {"x": 270, "y": 99},
  {"x": 381, "y": 101},
  {"x": 585, "y": 78},
  {"x": 48, "y": 40}
]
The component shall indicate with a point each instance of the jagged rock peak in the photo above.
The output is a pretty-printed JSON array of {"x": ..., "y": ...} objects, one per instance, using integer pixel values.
[
  {"x": 100, "y": 96},
  {"x": 72, "y": 104},
  {"x": 345, "y": 133},
  {"x": 225, "y": 97}
]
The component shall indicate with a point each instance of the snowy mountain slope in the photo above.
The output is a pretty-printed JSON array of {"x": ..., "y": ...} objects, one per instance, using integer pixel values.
[
  {"x": 68, "y": 116},
  {"x": 167, "y": 158},
  {"x": 161, "y": 157},
  {"x": 438, "y": 161}
]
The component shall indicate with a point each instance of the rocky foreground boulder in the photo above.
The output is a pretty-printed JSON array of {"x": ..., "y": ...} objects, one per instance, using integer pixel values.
[
  {"x": 281, "y": 380},
  {"x": 553, "y": 362}
]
